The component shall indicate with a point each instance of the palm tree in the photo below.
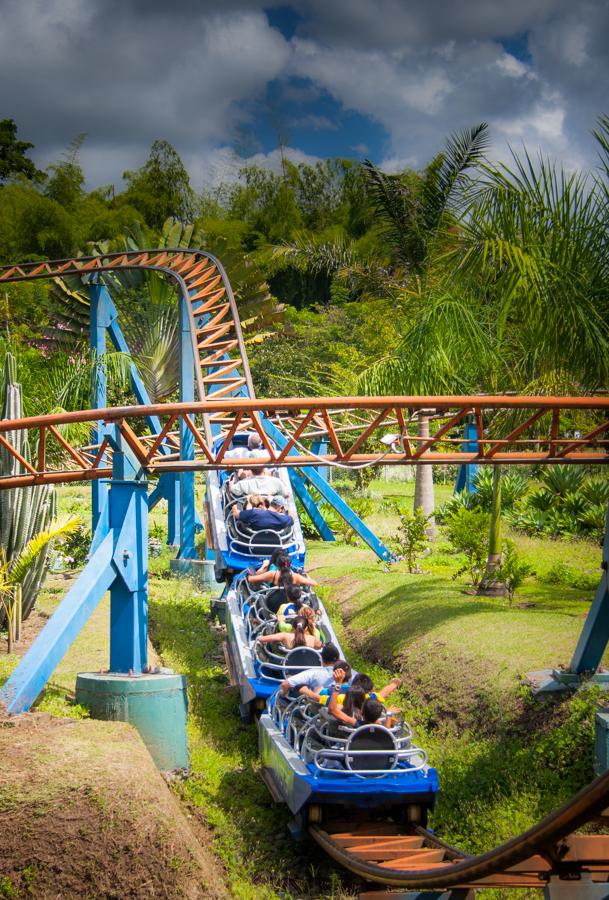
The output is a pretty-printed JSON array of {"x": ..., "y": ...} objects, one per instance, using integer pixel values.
[{"x": 419, "y": 220}]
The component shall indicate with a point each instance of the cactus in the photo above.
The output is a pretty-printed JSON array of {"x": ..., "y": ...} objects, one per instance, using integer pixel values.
[{"x": 23, "y": 511}]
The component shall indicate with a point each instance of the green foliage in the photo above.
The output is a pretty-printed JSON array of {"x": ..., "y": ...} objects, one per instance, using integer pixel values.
[
  {"x": 468, "y": 533},
  {"x": 513, "y": 488},
  {"x": 161, "y": 188},
  {"x": 66, "y": 179},
  {"x": 460, "y": 500},
  {"x": 411, "y": 538},
  {"x": 13, "y": 159},
  {"x": 74, "y": 547},
  {"x": 562, "y": 573},
  {"x": 568, "y": 503},
  {"x": 513, "y": 571}
]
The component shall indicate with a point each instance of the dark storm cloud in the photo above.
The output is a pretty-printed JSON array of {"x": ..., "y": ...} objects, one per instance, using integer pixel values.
[{"x": 195, "y": 73}]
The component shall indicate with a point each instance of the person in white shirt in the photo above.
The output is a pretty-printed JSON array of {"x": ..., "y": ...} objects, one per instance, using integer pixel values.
[
  {"x": 255, "y": 449},
  {"x": 265, "y": 484},
  {"x": 311, "y": 681}
]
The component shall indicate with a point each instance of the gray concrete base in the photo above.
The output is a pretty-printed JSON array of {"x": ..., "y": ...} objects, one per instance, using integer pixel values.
[
  {"x": 200, "y": 570},
  {"x": 551, "y": 681}
]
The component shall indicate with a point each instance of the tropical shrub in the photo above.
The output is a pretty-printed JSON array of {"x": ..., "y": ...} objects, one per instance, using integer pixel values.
[
  {"x": 74, "y": 547},
  {"x": 562, "y": 573},
  {"x": 568, "y": 503},
  {"x": 514, "y": 486},
  {"x": 468, "y": 533},
  {"x": 513, "y": 570},
  {"x": 411, "y": 538},
  {"x": 462, "y": 500}
]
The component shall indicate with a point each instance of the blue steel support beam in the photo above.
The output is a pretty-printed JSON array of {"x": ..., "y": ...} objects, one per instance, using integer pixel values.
[
  {"x": 329, "y": 494},
  {"x": 99, "y": 319},
  {"x": 104, "y": 311},
  {"x": 187, "y": 395},
  {"x": 129, "y": 592},
  {"x": 53, "y": 642},
  {"x": 168, "y": 488},
  {"x": 595, "y": 633},
  {"x": 170, "y": 483},
  {"x": 320, "y": 447},
  {"x": 310, "y": 505},
  {"x": 465, "y": 476}
]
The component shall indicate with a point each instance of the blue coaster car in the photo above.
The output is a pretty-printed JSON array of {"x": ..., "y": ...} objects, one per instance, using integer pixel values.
[
  {"x": 236, "y": 545},
  {"x": 313, "y": 763},
  {"x": 258, "y": 669}
]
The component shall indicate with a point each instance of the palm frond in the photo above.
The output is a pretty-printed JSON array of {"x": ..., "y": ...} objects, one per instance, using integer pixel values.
[{"x": 20, "y": 566}]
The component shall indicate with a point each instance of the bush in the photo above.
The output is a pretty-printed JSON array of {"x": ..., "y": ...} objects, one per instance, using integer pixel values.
[
  {"x": 74, "y": 548},
  {"x": 412, "y": 538},
  {"x": 462, "y": 500},
  {"x": 561, "y": 573},
  {"x": 468, "y": 533},
  {"x": 568, "y": 503},
  {"x": 513, "y": 488},
  {"x": 513, "y": 570}
]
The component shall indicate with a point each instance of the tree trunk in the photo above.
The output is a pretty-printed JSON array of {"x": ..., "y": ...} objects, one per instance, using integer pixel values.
[
  {"x": 423, "y": 485},
  {"x": 489, "y": 586}
]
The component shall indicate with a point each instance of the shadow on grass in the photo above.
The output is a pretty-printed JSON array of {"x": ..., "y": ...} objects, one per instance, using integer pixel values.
[{"x": 412, "y": 610}]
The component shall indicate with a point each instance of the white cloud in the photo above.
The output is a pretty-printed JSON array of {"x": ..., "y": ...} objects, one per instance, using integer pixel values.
[
  {"x": 130, "y": 72},
  {"x": 512, "y": 67},
  {"x": 211, "y": 167}
]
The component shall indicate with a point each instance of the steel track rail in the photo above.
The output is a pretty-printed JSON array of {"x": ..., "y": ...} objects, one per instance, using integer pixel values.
[
  {"x": 299, "y": 420},
  {"x": 548, "y": 839}
]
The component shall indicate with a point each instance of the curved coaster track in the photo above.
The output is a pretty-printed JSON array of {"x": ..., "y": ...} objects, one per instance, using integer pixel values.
[{"x": 175, "y": 440}]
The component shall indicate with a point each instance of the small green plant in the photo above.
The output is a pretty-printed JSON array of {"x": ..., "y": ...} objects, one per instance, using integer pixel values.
[
  {"x": 412, "y": 538},
  {"x": 468, "y": 532},
  {"x": 74, "y": 547},
  {"x": 513, "y": 570},
  {"x": 561, "y": 573},
  {"x": 7, "y": 888}
]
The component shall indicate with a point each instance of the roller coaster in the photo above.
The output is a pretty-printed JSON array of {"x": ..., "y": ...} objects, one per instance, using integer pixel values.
[{"x": 367, "y": 809}]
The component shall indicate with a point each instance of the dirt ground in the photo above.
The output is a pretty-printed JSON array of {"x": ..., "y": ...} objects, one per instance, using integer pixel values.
[{"x": 85, "y": 814}]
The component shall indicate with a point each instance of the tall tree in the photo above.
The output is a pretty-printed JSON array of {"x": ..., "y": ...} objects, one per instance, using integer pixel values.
[
  {"x": 417, "y": 217},
  {"x": 161, "y": 188},
  {"x": 13, "y": 158},
  {"x": 66, "y": 177}
]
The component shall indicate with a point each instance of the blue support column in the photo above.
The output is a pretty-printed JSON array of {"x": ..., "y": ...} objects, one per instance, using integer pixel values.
[
  {"x": 329, "y": 494},
  {"x": 595, "y": 633},
  {"x": 105, "y": 313},
  {"x": 100, "y": 316},
  {"x": 187, "y": 479},
  {"x": 320, "y": 447},
  {"x": 309, "y": 504},
  {"x": 129, "y": 591},
  {"x": 465, "y": 476}
]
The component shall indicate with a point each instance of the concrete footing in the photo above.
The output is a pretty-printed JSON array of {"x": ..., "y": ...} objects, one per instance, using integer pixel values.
[
  {"x": 200, "y": 570},
  {"x": 156, "y": 705},
  {"x": 551, "y": 681}
]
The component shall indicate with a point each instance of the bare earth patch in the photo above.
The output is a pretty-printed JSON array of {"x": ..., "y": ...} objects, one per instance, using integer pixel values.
[{"x": 85, "y": 814}]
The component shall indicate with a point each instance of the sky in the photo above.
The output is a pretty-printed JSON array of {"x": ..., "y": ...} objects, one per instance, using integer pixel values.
[{"x": 230, "y": 83}]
